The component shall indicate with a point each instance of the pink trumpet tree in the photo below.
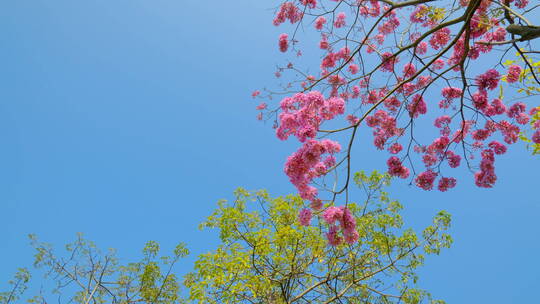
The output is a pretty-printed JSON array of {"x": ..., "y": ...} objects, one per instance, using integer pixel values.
[{"x": 393, "y": 66}]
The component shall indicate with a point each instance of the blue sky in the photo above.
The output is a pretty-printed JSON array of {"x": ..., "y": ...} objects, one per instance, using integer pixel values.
[{"x": 127, "y": 120}]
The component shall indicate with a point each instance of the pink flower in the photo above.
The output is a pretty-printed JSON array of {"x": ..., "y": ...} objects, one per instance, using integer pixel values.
[
  {"x": 288, "y": 11},
  {"x": 351, "y": 237},
  {"x": 316, "y": 204},
  {"x": 417, "y": 106},
  {"x": 353, "y": 120},
  {"x": 480, "y": 99},
  {"x": 395, "y": 168},
  {"x": 497, "y": 147},
  {"x": 332, "y": 214},
  {"x": 521, "y": 3},
  {"x": 340, "y": 20},
  {"x": 489, "y": 80},
  {"x": 323, "y": 44},
  {"x": 388, "y": 62},
  {"x": 408, "y": 70},
  {"x": 438, "y": 64},
  {"x": 348, "y": 223},
  {"x": 262, "y": 106},
  {"x": 453, "y": 159},
  {"x": 304, "y": 217},
  {"x": 421, "y": 49},
  {"x": 319, "y": 22},
  {"x": 438, "y": 145},
  {"x": 332, "y": 235},
  {"x": 497, "y": 107},
  {"x": 451, "y": 92},
  {"x": 443, "y": 122},
  {"x": 446, "y": 183},
  {"x": 486, "y": 177},
  {"x": 513, "y": 73},
  {"x": 310, "y": 3},
  {"x": 303, "y": 113},
  {"x": 389, "y": 26},
  {"x": 516, "y": 109},
  {"x": 425, "y": 179},
  {"x": 283, "y": 42},
  {"x": 255, "y": 93},
  {"x": 395, "y": 148},
  {"x": 305, "y": 164},
  {"x": 353, "y": 68},
  {"x": 509, "y": 131},
  {"x": 500, "y": 34},
  {"x": 392, "y": 103},
  {"x": 522, "y": 119},
  {"x": 440, "y": 38},
  {"x": 429, "y": 159},
  {"x": 536, "y": 137}
]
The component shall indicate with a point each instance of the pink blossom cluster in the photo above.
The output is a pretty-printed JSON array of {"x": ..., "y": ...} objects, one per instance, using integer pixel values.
[
  {"x": 440, "y": 38},
  {"x": 518, "y": 112},
  {"x": 371, "y": 8},
  {"x": 489, "y": 80},
  {"x": 283, "y": 42},
  {"x": 417, "y": 106},
  {"x": 486, "y": 177},
  {"x": 536, "y": 137},
  {"x": 396, "y": 168},
  {"x": 384, "y": 127},
  {"x": 388, "y": 62},
  {"x": 425, "y": 179},
  {"x": 443, "y": 123},
  {"x": 509, "y": 131},
  {"x": 288, "y": 11},
  {"x": 330, "y": 60},
  {"x": 446, "y": 183},
  {"x": 304, "y": 217},
  {"x": 340, "y": 20},
  {"x": 307, "y": 163},
  {"x": 302, "y": 114},
  {"x": 309, "y": 3},
  {"x": 347, "y": 223},
  {"x": 513, "y": 73},
  {"x": 320, "y": 22}
]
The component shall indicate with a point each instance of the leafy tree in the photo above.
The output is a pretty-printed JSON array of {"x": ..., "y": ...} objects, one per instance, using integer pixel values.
[
  {"x": 266, "y": 255},
  {"x": 84, "y": 274}
]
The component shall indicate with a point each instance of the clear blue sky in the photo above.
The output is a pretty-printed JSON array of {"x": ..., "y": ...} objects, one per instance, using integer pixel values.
[{"x": 128, "y": 119}]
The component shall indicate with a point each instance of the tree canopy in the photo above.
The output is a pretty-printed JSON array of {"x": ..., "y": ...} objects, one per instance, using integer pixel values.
[{"x": 266, "y": 255}]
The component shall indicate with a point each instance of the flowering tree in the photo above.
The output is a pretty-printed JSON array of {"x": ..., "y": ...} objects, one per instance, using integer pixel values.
[{"x": 463, "y": 68}]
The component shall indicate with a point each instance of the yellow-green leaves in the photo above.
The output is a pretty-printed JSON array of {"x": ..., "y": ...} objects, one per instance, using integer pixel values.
[{"x": 267, "y": 257}]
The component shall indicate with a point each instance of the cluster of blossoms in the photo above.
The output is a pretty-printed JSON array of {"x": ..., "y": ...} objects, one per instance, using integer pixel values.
[
  {"x": 307, "y": 163},
  {"x": 440, "y": 48},
  {"x": 347, "y": 225},
  {"x": 384, "y": 127},
  {"x": 396, "y": 168},
  {"x": 342, "y": 224},
  {"x": 302, "y": 114},
  {"x": 486, "y": 176}
]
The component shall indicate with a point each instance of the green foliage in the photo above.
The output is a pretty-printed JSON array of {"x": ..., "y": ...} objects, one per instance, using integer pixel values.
[
  {"x": 17, "y": 287},
  {"x": 267, "y": 257},
  {"x": 83, "y": 274}
]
